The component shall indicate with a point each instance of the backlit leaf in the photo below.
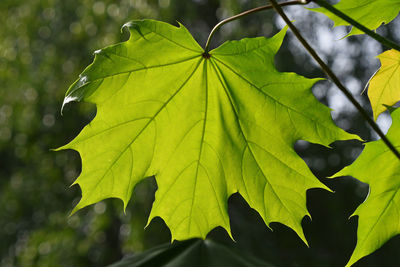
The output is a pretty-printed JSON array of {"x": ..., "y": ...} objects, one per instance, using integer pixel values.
[
  {"x": 384, "y": 86},
  {"x": 370, "y": 13},
  {"x": 379, "y": 215},
  {"x": 206, "y": 127}
]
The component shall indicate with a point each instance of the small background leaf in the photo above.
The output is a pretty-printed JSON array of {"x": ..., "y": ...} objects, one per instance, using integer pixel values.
[
  {"x": 384, "y": 86},
  {"x": 369, "y": 13}
]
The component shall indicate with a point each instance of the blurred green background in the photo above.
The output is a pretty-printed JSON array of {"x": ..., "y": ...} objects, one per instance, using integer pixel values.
[{"x": 45, "y": 44}]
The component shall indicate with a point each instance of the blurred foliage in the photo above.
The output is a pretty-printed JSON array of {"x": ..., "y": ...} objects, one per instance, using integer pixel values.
[
  {"x": 194, "y": 253},
  {"x": 45, "y": 44}
]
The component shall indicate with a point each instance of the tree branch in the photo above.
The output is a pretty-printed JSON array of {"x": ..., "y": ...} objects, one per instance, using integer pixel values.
[
  {"x": 334, "y": 79},
  {"x": 367, "y": 31},
  {"x": 245, "y": 13}
]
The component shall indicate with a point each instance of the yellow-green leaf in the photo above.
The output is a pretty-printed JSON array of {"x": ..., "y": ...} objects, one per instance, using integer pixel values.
[
  {"x": 205, "y": 126},
  {"x": 370, "y": 13},
  {"x": 379, "y": 215},
  {"x": 384, "y": 86}
]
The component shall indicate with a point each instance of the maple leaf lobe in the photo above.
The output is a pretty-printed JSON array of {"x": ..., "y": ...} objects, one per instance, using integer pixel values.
[{"x": 379, "y": 214}]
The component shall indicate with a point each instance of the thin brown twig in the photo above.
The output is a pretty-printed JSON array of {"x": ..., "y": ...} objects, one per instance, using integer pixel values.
[{"x": 245, "y": 13}]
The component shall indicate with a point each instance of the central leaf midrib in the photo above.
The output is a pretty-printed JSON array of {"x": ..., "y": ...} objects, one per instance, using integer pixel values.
[
  {"x": 244, "y": 136},
  {"x": 201, "y": 144}
]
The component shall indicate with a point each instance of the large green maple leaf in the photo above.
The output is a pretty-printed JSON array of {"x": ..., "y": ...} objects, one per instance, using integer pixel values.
[
  {"x": 379, "y": 215},
  {"x": 205, "y": 126},
  {"x": 370, "y": 13}
]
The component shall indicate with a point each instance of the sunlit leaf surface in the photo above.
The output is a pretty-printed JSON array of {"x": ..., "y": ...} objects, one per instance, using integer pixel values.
[
  {"x": 206, "y": 127},
  {"x": 384, "y": 87},
  {"x": 370, "y": 13},
  {"x": 379, "y": 215}
]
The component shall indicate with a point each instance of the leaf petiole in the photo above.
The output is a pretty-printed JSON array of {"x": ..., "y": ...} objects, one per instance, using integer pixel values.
[{"x": 245, "y": 13}]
